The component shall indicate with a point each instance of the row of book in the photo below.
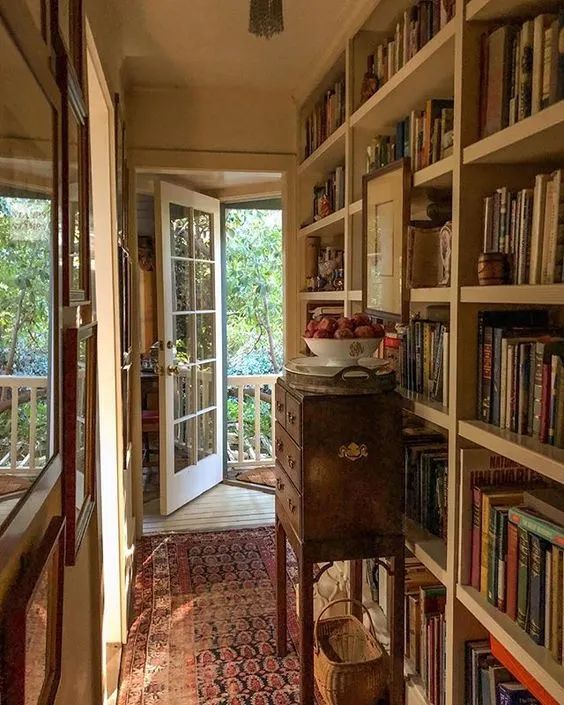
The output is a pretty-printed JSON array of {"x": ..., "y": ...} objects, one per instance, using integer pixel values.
[
  {"x": 521, "y": 374},
  {"x": 413, "y": 30},
  {"x": 423, "y": 359},
  {"x": 425, "y": 629},
  {"x": 488, "y": 682},
  {"x": 329, "y": 196},
  {"x": 327, "y": 115},
  {"x": 426, "y": 474},
  {"x": 528, "y": 225},
  {"x": 425, "y": 136},
  {"x": 522, "y": 70}
]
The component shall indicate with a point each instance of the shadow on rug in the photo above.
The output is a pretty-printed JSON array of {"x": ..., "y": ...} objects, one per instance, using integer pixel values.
[{"x": 204, "y": 623}]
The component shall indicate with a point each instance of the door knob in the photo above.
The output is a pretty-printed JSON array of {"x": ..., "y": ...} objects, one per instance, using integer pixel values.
[{"x": 172, "y": 369}]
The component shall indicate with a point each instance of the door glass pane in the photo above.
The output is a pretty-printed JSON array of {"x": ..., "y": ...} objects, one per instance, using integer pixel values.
[
  {"x": 182, "y": 282},
  {"x": 81, "y": 425},
  {"x": 206, "y": 385},
  {"x": 184, "y": 327},
  {"x": 180, "y": 235},
  {"x": 203, "y": 235},
  {"x": 184, "y": 391},
  {"x": 205, "y": 336},
  {"x": 204, "y": 274},
  {"x": 76, "y": 244},
  {"x": 184, "y": 432},
  {"x": 206, "y": 434}
]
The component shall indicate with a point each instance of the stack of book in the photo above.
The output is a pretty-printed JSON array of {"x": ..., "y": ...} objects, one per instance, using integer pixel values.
[
  {"x": 327, "y": 115},
  {"x": 522, "y": 558},
  {"x": 329, "y": 196},
  {"x": 414, "y": 29},
  {"x": 425, "y": 628},
  {"x": 423, "y": 359},
  {"x": 528, "y": 225},
  {"x": 425, "y": 136},
  {"x": 488, "y": 682},
  {"x": 426, "y": 473},
  {"x": 522, "y": 71},
  {"x": 521, "y": 375}
]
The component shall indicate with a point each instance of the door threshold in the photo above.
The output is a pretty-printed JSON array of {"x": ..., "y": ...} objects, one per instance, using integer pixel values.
[{"x": 249, "y": 486}]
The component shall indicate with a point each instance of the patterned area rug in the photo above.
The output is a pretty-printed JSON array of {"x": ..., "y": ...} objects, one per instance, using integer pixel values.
[
  {"x": 204, "y": 623},
  {"x": 259, "y": 476}
]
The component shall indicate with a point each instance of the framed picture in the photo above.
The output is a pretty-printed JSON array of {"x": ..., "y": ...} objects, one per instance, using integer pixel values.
[
  {"x": 385, "y": 213},
  {"x": 33, "y": 627},
  {"x": 79, "y": 457},
  {"x": 75, "y": 188}
]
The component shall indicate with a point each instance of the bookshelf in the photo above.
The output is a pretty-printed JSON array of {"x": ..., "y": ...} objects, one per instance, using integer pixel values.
[{"x": 446, "y": 67}]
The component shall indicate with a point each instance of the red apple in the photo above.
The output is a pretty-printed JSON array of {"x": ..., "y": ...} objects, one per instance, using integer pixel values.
[
  {"x": 320, "y": 333},
  {"x": 378, "y": 330},
  {"x": 342, "y": 333},
  {"x": 360, "y": 319},
  {"x": 364, "y": 332},
  {"x": 345, "y": 323},
  {"x": 308, "y": 334},
  {"x": 328, "y": 324}
]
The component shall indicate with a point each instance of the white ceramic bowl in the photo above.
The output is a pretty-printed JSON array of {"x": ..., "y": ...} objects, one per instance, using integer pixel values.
[{"x": 346, "y": 351}]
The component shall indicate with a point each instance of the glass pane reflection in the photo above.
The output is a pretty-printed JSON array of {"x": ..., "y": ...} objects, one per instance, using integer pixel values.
[
  {"x": 184, "y": 337},
  {"x": 203, "y": 235},
  {"x": 184, "y": 432},
  {"x": 205, "y": 336},
  {"x": 182, "y": 282},
  {"x": 206, "y": 386},
  {"x": 180, "y": 235},
  {"x": 204, "y": 275},
  {"x": 184, "y": 391}
]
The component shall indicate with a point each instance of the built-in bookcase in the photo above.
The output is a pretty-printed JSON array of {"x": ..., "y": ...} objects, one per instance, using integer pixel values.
[{"x": 448, "y": 66}]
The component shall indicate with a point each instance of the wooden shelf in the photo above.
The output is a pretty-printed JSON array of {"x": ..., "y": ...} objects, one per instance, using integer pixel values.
[
  {"x": 355, "y": 295},
  {"x": 482, "y": 10},
  {"x": 436, "y": 294},
  {"x": 538, "y": 138},
  {"x": 427, "y": 409},
  {"x": 356, "y": 207},
  {"x": 428, "y": 74},
  {"x": 437, "y": 175},
  {"x": 551, "y": 294},
  {"x": 333, "y": 224},
  {"x": 429, "y": 549},
  {"x": 329, "y": 154},
  {"x": 541, "y": 457},
  {"x": 322, "y": 295},
  {"x": 536, "y": 659}
]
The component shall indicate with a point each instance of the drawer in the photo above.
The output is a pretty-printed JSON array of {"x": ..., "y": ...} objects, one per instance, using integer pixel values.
[
  {"x": 289, "y": 456},
  {"x": 294, "y": 418},
  {"x": 289, "y": 499},
  {"x": 280, "y": 405}
]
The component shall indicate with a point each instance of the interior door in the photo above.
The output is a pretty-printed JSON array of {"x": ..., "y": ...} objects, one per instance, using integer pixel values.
[{"x": 190, "y": 389}]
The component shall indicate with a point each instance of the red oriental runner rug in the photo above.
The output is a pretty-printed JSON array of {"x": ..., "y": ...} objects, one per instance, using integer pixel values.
[{"x": 204, "y": 623}]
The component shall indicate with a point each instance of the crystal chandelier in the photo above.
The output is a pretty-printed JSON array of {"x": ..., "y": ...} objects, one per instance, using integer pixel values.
[{"x": 266, "y": 18}]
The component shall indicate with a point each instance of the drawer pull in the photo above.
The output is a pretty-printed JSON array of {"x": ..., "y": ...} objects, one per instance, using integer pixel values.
[
  {"x": 291, "y": 417},
  {"x": 279, "y": 445},
  {"x": 291, "y": 506},
  {"x": 279, "y": 485},
  {"x": 291, "y": 462},
  {"x": 279, "y": 406}
]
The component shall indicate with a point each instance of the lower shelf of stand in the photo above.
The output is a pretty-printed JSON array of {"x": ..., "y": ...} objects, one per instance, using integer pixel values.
[
  {"x": 429, "y": 549},
  {"x": 425, "y": 408},
  {"x": 322, "y": 295},
  {"x": 536, "y": 659}
]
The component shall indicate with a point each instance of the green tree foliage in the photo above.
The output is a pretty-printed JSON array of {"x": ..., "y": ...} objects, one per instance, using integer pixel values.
[{"x": 254, "y": 291}]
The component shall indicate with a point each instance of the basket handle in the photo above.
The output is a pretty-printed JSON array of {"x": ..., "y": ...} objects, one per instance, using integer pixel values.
[{"x": 336, "y": 602}]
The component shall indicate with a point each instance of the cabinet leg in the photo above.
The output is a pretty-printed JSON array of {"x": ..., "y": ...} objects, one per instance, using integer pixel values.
[
  {"x": 306, "y": 632},
  {"x": 356, "y": 587},
  {"x": 281, "y": 596}
]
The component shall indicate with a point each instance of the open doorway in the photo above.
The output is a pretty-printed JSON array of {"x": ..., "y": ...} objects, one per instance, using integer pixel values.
[{"x": 254, "y": 336}]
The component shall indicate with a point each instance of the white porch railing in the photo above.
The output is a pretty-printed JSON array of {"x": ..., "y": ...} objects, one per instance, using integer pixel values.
[
  {"x": 246, "y": 449},
  {"x": 19, "y": 399}
]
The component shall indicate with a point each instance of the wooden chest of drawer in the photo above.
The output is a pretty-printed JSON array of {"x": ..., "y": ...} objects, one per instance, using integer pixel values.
[
  {"x": 343, "y": 458},
  {"x": 289, "y": 499}
]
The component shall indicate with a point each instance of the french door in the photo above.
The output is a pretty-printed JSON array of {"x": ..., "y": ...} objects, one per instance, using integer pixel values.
[{"x": 190, "y": 355}]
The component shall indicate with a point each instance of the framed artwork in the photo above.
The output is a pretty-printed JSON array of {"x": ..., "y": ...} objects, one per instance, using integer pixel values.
[
  {"x": 79, "y": 457},
  {"x": 33, "y": 627},
  {"x": 75, "y": 189},
  {"x": 385, "y": 213}
]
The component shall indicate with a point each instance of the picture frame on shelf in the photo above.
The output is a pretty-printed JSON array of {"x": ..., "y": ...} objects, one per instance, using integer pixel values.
[
  {"x": 79, "y": 415},
  {"x": 33, "y": 625},
  {"x": 385, "y": 219}
]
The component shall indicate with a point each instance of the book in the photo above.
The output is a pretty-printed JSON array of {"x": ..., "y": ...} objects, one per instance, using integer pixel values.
[
  {"x": 498, "y": 76},
  {"x": 522, "y": 578},
  {"x": 526, "y": 69},
  {"x": 538, "y": 548},
  {"x": 547, "y": 501},
  {"x": 512, "y": 570},
  {"x": 515, "y": 694},
  {"x": 530, "y": 520}
]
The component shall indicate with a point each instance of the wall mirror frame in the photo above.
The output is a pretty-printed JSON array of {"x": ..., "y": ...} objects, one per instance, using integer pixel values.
[
  {"x": 34, "y": 622},
  {"x": 79, "y": 419},
  {"x": 385, "y": 219}
]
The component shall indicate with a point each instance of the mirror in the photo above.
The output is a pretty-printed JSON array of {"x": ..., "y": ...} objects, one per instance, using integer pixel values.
[{"x": 27, "y": 217}]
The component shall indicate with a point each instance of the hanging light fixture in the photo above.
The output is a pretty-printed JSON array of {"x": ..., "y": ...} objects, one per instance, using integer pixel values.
[{"x": 266, "y": 18}]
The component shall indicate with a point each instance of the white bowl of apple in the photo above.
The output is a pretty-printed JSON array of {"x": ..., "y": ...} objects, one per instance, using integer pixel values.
[{"x": 343, "y": 341}]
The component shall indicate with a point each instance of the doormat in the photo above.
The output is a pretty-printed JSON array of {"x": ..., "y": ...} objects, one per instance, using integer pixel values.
[
  {"x": 203, "y": 630},
  {"x": 259, "y": 476}
]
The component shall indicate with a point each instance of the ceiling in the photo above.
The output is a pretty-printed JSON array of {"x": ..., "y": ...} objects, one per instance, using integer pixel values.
[{"x": 207, "y": 43}]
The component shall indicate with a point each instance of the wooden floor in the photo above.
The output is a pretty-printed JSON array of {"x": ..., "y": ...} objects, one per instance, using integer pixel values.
[{"x": 223, "y": 507}]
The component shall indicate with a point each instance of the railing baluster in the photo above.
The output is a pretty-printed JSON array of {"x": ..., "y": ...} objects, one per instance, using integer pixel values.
[
  {"x": 32, "y": 426},
  {"x": 257, "y": 421},
  {"x": 14, "y": 430},
  {"x": 240, "y": 400}
]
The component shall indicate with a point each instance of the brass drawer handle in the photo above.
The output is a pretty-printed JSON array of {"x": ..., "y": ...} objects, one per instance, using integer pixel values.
[
  {"x": 279, "y": 406},
  {"x": 291, "y": 506},
  {"x": 279, "y": 485},
  {"x": 291, "y": 417},
  {"x": 291, "y": 462},
  {"x": 279, "y": 445}
]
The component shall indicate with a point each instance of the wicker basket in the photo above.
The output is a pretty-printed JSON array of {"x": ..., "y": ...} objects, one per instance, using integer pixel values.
[{"x": 351, "y": 668}]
